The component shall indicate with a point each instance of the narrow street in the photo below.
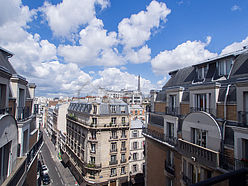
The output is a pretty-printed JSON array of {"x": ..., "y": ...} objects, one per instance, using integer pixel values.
[{"x": 59, "y": 174}]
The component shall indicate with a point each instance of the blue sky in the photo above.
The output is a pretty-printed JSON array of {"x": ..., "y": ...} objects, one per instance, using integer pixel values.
[{"x": 70, "y": 45}]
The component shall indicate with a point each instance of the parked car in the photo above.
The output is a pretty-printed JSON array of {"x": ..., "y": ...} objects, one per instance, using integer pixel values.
[
  {"x": 44, "y": 169},
  {"x": 46, "y": 179}
]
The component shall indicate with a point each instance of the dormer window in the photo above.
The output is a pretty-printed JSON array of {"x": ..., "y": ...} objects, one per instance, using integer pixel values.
[
  {"x": 113, "y": 108},
  {"x": 202, "y": 72},
  {"x": 224, "y": 67}
]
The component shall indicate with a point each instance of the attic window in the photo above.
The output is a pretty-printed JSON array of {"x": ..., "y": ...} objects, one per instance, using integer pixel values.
[
  {"x": 202, "y": 72},
  {"x": 224, "y": 67}
]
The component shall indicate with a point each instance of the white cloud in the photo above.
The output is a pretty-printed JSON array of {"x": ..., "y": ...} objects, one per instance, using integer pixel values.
[
  {"x": 141, "y": 56},
  {"x": 161, "y": 82},
  {"x": 63, "y": 79},
  {"x": 66, "y": 17},
  {"x": 114, "y": 79},
  {"x": 135, "y": 31},
  {"x": 185, "y": 54},
  {"x": 97, "y": 47},
  {"x": 235, "y": 8},
  {"x": 235, "y": 46}
]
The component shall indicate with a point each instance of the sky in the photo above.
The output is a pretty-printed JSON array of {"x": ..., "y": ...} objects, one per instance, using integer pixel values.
[{"x": 68, "y": 47}]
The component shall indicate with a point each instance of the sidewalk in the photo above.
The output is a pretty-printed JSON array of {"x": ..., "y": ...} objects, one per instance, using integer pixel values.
[{"x": 67, "y": 177}]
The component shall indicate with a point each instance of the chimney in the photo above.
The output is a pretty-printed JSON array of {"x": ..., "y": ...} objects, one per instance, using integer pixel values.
[{"x": 139, "y": 83}]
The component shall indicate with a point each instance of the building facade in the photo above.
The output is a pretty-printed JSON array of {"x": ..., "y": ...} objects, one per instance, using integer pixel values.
[
  {"x": 97, "y": 142},
  {"x": 198, "y": 124},
  {"x": 20, "y": 137}
]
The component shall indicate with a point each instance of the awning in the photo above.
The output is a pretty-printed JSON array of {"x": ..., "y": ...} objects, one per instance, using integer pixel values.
[{"x": 65, "y": 158}]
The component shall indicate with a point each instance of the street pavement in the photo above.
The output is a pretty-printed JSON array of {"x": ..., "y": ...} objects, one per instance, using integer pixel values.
[{"x": 59, "y": 174}]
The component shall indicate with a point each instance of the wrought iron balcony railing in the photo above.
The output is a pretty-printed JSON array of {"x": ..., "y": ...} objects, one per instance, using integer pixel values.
[
  {"x": 162, "y": 137},
  {"x": 169, "y": 168}
]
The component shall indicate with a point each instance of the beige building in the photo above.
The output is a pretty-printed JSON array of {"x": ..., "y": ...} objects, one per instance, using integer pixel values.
[
  {"x": 97, "y": 142},
  {"x": 198, "y": 123}
]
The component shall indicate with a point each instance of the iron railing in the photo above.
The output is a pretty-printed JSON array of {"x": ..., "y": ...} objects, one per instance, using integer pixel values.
[
  {"x": 114, "y": 162},
  {"x": 174, "y": 111},
  {"x": 169, "y": 168},
  {"x": 23, "y": 113},
  {"x": 160, "y": 136}
]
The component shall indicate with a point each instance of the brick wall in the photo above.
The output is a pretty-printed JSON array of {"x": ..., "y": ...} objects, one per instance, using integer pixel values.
[
  {"x": 156, "y": 156},
  {"x": 184, "y": 108},
  {"x": 232, "y": 112},
  {"x": 33, "y": 139},
  {"x": 220, "y": 111},
  {"x": 12, "y": 105},
  {"x": 155, "y": 128},
  {"x": 159, "y": 106}
]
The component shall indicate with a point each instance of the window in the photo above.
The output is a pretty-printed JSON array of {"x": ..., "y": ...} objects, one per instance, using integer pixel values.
[
  {"x": 94, "y": 109},
  {"x": 172, "y": 102},
  {"x": 202, "y": 72},
  {"x": 170, "y": 130},
  {"x": 170, "y": 158},
  {"x": 4, "y": 161},
  {"x": 123, "y": 120},
  {"x": 135, "y": 168},
  {"x": 123, "y": 134},
  {"x": 93, "y": 147},
  {"x": 94, "y": 120},
  {"x": 123, "y": 170},
  {"x": 122, "y": 109},
  {"x": 135, "y": 134},
  {"x": 135, "y": 145},
  {"x": 201, "y": 102},
  {"x": 244, "y": 149},
  {"x": 113, "y": 146},
  {"x": 123, "y": 145},
  {"x": 113, "y": 158},
  {"x": 2, "y": 95},
  {"x": 123, "y": 158},
  {"x": 224, "y": 67},
  {"x": 93, "y": 134},
  {"x": 113, "y": 172},
  {"x": 113, "y": 120},
  {"x": 199, "y": 137},
  {"x": 114, "y": 134},
  {"x": 135, "y": 156},
  {"x": 169, "y": 181},
  {"x": 113, "y": 108},
  {"x": 136, "y": 112},
  {"x": 92, "y": 160}
]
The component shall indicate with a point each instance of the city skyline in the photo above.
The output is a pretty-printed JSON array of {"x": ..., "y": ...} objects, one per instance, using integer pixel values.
[{"x": 63, "y": 49}]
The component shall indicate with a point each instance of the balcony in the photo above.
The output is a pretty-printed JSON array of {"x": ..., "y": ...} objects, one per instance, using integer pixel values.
[
  {"x": 199, "y": 154},
  {"x": 173, "y": 111},
  {"x": 32, "y": 154},
  {"x": 113, "y": 162},
  {"x": 243, "y": 119},
  {"x": 113, "y": 137},
  {"x": 113, "y": 150},
  {"x": 93, "y": 166},
  {"x": 123, "y": 148},
  {"x": 23, "y": 113},
  {"x": 161, "y": 137},
  {"x": 186, "y": 180},
  {"x": 17, "y": 176},
  {"x": 156, "y": 119},
  {"x": 198, "y": 109},
  {"x": 93, "y": 139},
  {"x": 169, "y": 168},
  {"x": 6, "y": 111}
]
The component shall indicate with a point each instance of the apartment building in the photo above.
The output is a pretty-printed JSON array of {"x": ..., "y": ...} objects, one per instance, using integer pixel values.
[
  {"x": 198, "y": 124},
  {"x": 20, "y": 138},
  {"x": 137, "y": 142},
  {"x": 97, "y": 142}
]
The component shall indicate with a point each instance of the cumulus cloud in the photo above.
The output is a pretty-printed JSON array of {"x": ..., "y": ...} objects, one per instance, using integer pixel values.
[
  {"x": 161, "y": 83},
  {"x": 140, "y": 56},
  {"x": 185, "y": 54},
  {"x": 134, "y": 31},
  {"x": 66, "y": 17},
  {"x": 235, "y": 46},
  {"x": 235, "y": 8},
  {"x": 97, "y": 47},
  {"x": 115, "y": 79}
]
